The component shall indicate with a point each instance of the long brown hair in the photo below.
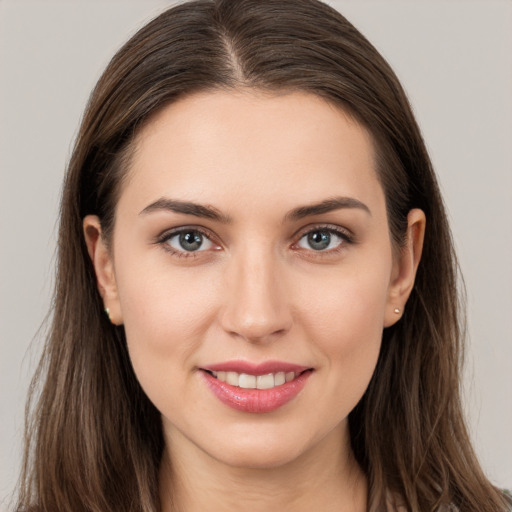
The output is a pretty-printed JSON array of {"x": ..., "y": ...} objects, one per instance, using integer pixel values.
[{"x": 94, "y": 440}]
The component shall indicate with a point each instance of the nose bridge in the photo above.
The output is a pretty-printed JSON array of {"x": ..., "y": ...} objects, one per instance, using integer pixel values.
[{"x": 256, "y": 307}]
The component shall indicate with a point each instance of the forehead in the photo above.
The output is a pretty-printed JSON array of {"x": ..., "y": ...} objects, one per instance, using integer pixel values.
[{"x": 250, "y": 147}]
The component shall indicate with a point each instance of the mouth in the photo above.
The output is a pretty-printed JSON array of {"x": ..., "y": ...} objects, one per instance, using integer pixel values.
[
  {"x": 248, "y": 381},
  {"x": 256, "y": 388}
]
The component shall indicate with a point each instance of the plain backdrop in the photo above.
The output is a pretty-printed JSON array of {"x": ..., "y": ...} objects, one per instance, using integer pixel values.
[{"x": 454, "y": 59}]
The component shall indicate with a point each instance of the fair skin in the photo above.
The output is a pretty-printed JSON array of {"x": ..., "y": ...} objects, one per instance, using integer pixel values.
[{"x": 255, "y": 278}]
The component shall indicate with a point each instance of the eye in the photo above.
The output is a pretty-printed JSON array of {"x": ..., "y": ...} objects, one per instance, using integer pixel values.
[
  {"x": 188, "y": 240},
  {"x": 324, "y": 239}
]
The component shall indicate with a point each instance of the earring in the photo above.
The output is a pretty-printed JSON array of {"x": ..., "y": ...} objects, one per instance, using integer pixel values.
[
  {"x": 107, "y": 311},
  {"x": 397, "y": 311}
]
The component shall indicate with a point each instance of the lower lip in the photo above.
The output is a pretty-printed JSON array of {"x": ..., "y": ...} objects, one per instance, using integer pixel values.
[{"x": 256, "y": 400}]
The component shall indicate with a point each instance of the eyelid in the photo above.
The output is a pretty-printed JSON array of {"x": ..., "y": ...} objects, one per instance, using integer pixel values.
[
  {"x": 166, "y": 235},
  {"x": 343, "y": 232},
  {"x": 346, "y": 234},
  {"x": 347, "y": 238}
]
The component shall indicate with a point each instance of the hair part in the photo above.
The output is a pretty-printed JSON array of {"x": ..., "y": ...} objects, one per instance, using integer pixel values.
[{"x": 96, "y": 438}]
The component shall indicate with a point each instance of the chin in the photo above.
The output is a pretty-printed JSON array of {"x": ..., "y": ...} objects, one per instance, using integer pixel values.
[
  {"x": 264, "y": 450},
  {"x": 259, "y": 457}
]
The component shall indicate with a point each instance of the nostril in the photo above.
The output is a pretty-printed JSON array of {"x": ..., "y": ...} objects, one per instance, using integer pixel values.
[
  {"x": 256, "y": 302},
  {"x": 262, "y": 328}
]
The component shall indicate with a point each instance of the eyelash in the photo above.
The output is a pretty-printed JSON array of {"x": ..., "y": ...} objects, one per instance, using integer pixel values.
[
  {"x": 345, "y": 236},
  {"x": 165, "y": 237}
]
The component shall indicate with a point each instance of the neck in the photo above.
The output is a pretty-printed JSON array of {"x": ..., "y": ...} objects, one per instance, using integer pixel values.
[{"x": 322, "y": 479}]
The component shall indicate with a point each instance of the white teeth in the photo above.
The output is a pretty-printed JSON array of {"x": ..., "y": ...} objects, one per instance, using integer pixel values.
[
  {"x": 279, "y": 378},
  {"x": 232, "y": 378},
  {"x": 289, "y": 376},
  {"x": 265, "y": 381},
  {"x": 246, "y": 381}
]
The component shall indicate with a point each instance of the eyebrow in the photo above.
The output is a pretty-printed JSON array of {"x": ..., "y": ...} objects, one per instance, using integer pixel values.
[
  {"x": 186, "y": 208},
  {"x": 329, "y": 205},
  {"x": 212, "y": 213}
]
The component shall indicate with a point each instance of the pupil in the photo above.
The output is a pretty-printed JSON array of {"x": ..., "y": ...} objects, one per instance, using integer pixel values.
[
  {"x": 319, "y": 240},
  {"x": 191, "y": 240}
]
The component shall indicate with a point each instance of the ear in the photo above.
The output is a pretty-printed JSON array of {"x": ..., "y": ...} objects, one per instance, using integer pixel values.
[
  {"x": 405, "y": 267},
  {"x": 103, "y": 266}
]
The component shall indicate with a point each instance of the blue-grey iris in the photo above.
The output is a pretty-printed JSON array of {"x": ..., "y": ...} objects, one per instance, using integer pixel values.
[
  {"x": 319, "y": 240},
  {"x": 191, "y": 240}
]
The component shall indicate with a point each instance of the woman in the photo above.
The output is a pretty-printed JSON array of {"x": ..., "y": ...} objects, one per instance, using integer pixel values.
[{"x": 256, "y": 303}]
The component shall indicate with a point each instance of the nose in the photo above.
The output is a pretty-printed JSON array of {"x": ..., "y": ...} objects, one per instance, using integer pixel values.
[{"x": 256, "y": 308}]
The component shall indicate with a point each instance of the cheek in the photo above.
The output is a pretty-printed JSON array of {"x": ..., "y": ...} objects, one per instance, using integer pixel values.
[
  {"x": 348, "y": 303},
  {"x": 165, "y": 315},
  {"x": 346, "y": 322}
]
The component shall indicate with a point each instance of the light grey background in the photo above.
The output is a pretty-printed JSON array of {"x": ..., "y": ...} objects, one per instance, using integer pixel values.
[{"x": 454, "y": 59}]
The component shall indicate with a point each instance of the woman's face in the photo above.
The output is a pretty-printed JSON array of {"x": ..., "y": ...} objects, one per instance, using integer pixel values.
[{"x": 253, "y": 271}]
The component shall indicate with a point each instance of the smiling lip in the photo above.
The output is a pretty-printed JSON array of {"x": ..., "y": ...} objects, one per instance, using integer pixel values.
[
  {"x": 256, "y": 400},
  {"x": 255, "y": 369}
]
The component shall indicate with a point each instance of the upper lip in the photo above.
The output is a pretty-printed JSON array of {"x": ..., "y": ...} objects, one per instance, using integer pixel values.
[{"x": 255, "y": 369}]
